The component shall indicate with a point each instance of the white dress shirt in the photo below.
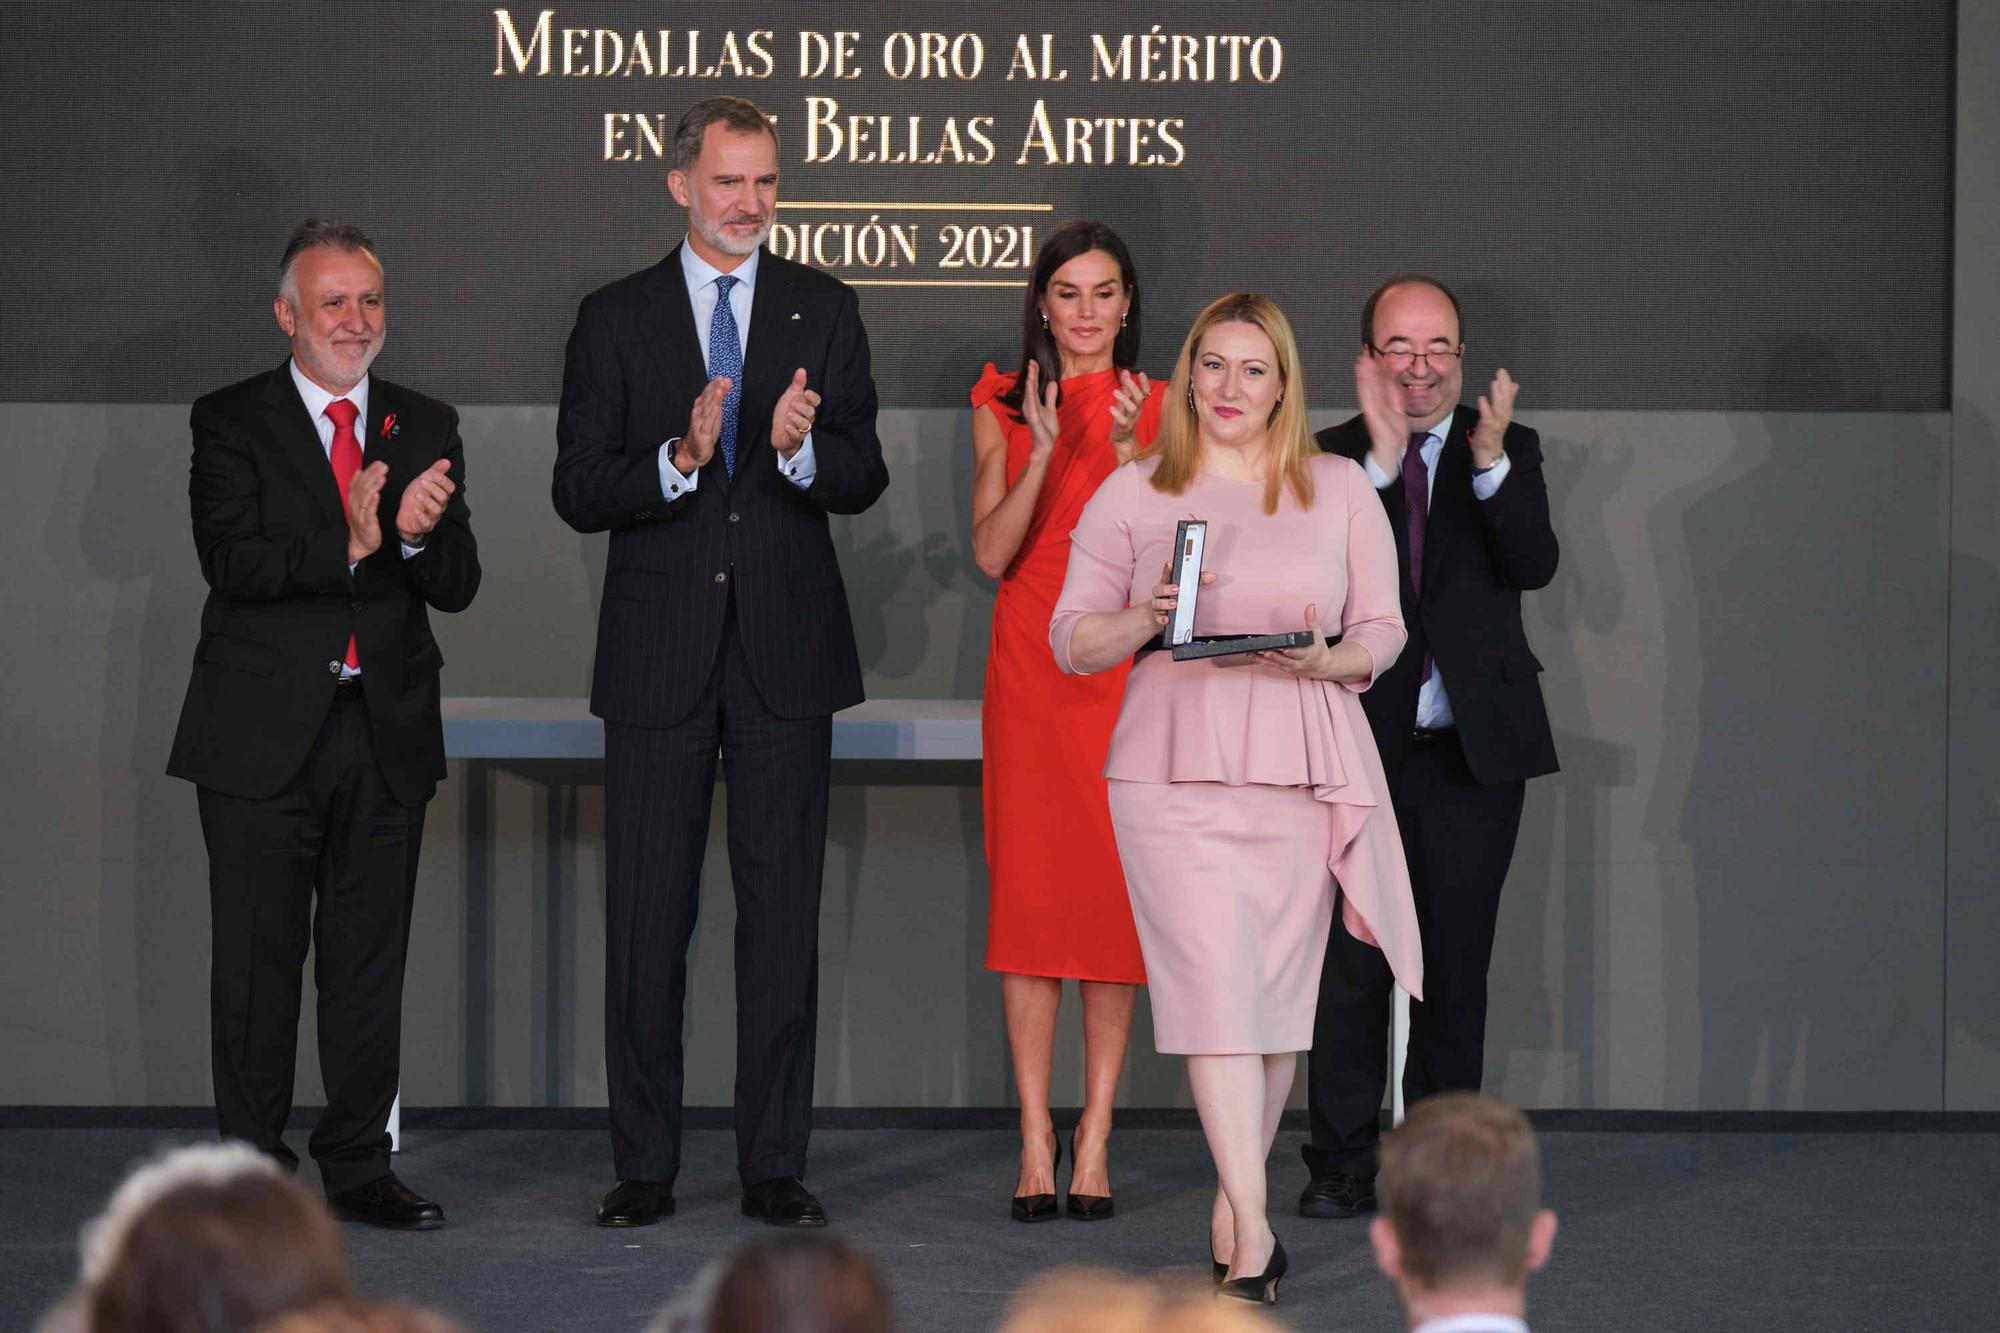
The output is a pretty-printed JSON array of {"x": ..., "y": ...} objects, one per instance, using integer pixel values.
[
  {"x": 1472, "y": 1323},
  {"x": 1433, "y": 704},
  {"x": 802, "y": 466},
  {"x": 316, "y": 399}
]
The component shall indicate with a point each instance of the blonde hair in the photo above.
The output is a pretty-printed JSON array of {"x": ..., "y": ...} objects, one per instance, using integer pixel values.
[
  {"x": 1084, "y": 1300},
  {"x": 1289, "y": 444}
]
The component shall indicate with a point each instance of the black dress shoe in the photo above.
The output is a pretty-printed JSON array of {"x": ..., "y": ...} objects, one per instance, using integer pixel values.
[
  {"x": 783, "y": 1202},
  {"x": 1337, "y": 1195},
  {"x": 386, "y": 1202},
  {"x": 1263, "y": 1288},
  {"x": 636, "y": 1203},
  {"x": 1038, "y": 1207},
  {"x": 1085, "y": 1207}
]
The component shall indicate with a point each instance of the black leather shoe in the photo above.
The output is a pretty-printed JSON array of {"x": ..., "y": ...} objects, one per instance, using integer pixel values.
[
  {"x": 1039, "y": 1207},
  {"x": 1085, "y": 1207},
  {"x": 636, "y": 1203},
  {"x": 1263, "y": 1288},
  {"x": 386, "y": 1202},
  {"x": 783, "y": 1202},
  {"x": 1337, "y": 1195}
]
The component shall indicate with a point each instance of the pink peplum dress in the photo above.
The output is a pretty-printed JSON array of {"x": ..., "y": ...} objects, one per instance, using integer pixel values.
[{"x": 1245, "y": 801}]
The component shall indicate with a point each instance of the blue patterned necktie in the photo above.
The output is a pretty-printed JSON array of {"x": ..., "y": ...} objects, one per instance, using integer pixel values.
[{"x": 725, "y": 357}]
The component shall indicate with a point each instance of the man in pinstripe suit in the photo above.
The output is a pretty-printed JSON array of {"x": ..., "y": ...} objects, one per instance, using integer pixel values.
[{"x": 715, "y": 409}]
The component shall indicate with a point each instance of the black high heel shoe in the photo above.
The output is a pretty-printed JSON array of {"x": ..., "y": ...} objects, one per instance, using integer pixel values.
[
  {"x": 1085, "y": 1207},
  {"x": 1221, "y": 1269},
  {"x": 1039, "y": 1207},
  {"x": 1262, "y": 1289}
]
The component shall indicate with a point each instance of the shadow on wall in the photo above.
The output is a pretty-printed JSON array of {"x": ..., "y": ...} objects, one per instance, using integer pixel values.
[
  {"x": 1803, "y": 636},
  {"x": 1553, "y": 950},
  {"x": 130, "y": 525}
]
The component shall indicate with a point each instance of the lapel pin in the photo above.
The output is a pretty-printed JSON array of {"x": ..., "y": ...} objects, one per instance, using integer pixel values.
[
  {"x": 795, "y": 314},
  {"x": 389, "y": 428}
]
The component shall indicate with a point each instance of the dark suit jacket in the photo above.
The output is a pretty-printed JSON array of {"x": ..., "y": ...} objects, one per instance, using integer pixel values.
[
  {"x": 632, "y": 372},
  {"x": 272, "y": 539},
  {"x": 1479, "y": 557}
]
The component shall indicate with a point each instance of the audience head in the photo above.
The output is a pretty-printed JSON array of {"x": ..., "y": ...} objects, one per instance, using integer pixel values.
[
  {"x": 207, "y": 1239},
  {"x": 1462, "y": 1223},
  {"x": 1238, "y": 383},
  {"x": 1081, "y": 1300},
  {"x": 330, "y": 302},
  {"x": 793, "y": 1283},
  {"x": 1082, "y": 301},
  {"x": 725, "y": 174},
  {"x": 359, "y": 1317}
]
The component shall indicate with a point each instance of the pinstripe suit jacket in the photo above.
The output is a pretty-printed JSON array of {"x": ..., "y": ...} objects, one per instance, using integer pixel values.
[{"x": 631, "y": 374}]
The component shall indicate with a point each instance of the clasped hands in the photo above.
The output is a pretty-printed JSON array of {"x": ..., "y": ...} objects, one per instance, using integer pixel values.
[
  {"x": 421, "y": 507},
  {"x": 1038, "y": 408},
  {"x": 791, "y": 421}
]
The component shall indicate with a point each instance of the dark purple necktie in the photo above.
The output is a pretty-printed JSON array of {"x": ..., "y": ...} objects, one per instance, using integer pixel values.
[{"x": 1416, "y": 508}]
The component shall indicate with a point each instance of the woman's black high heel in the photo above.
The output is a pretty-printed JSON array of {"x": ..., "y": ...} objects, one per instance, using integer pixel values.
[
  {"x": 1221, "y": 1269},
  {"x": 1039, "y": 1207},
  {"x": 1086, "y": 1207},
  {"x": 1262, "y": 1289}
]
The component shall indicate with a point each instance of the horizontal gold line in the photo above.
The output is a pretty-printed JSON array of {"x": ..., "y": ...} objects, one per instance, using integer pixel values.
[
  {"x": 925, "y": 282},
  {"x": 989, "y": 208}
]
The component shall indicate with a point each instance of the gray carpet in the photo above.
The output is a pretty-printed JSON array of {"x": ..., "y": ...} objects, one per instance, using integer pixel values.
[{"x": 1666, "y": 1222}]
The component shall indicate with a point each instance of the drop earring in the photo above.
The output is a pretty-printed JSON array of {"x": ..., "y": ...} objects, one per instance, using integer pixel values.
[
  {"x": 1045, "y": 322},
  {"x": 1190, "y": 398},
  {"x": 1121, "y": 319}
]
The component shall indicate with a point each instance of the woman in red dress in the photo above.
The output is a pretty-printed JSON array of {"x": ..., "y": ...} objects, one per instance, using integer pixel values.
[{"x": 1043, "y": 438}]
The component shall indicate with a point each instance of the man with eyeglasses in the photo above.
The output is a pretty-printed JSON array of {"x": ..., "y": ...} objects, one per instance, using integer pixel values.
[{"x": 1458, "y": 718}]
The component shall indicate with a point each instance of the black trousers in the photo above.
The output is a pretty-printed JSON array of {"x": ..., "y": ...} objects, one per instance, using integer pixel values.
[
  {"x": 659, "y": 782},
  {"x": 330, "y": 861},
  {"x": 1458, "y": 836}
]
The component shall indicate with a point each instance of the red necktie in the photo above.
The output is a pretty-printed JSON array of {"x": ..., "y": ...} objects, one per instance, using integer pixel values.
[
  {"x": 346, "y": 459},
  {"x": 1417, "y": 513}
]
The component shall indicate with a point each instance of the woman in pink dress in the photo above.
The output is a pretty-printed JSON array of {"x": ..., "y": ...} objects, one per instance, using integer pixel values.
[{"x": 1246, "y": 792}]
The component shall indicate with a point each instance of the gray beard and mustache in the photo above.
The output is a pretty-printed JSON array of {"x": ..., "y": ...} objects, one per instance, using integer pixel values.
[{"x": 715, "y": 234}]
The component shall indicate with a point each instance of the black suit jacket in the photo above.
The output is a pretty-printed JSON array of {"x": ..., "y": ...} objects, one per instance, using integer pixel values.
[
  {"x": 632, "y": 373},
  {"x": 272, "y": 538},
  {"x": 1479, "y": 557}
]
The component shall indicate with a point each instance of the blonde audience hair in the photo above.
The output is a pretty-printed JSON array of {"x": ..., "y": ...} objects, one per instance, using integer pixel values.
[
  {"x": 1289, "y": 440},
  {"x": 212, "y": 1237},
  {"x": 1460, "y": 1184},
  {"x": 1085, "y": 1300},
  {"x": 359, "y": 1317}
]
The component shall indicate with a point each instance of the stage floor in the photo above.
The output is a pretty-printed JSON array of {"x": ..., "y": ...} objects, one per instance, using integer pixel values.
[{"x": 1695, "y": 1222}]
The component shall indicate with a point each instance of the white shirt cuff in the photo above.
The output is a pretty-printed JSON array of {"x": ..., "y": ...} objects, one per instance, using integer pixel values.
[
  {"x": 1487, "y": 482},
  {"x": 409, "y": 550},
  {"x": 1382, "y": 481},
  {"x": 673, "y": 482},
  {"x": 801, "y": 467}
]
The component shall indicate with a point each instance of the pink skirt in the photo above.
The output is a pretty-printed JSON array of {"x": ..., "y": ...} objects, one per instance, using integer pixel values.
[{"x": 1233, "y": 898}]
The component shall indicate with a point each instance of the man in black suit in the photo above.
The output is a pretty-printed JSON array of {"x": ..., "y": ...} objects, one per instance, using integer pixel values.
[
  {"x": 329, "y": 515},
  {"x": 716, "y": 407},
  {"x": 1459, "y": 718}
]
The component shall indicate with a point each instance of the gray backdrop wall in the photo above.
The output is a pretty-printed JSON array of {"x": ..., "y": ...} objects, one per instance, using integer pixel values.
[{"x": 1768, "y": 876}]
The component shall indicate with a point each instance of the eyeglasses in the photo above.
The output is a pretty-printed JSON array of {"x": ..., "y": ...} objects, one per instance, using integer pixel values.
[{"x": 1402, "y": 358}]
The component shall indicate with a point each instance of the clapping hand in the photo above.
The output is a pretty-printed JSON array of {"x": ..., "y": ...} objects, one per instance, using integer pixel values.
[
  {"x": 1496, "y": 411},
  {"x": 423, "y": 502},
  {"x": 704, "y": 427},
  {"x": 1377, "y": 398},
  {"x": 1126, "y": 404},
  {"x": 364, "y": 519},
  {"x": 1038, "y": 408},
  {"x": 792, "y": 419}
]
